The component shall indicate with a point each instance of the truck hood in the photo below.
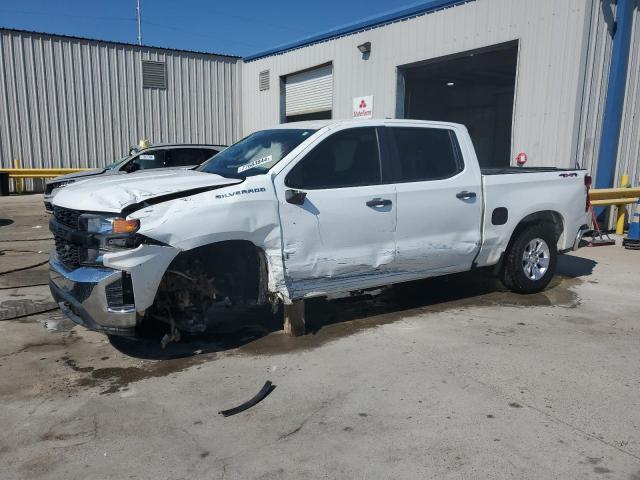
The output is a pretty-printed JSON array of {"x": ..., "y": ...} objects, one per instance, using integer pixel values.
[
  {"x": 114, "y": 193},
  {"x": 78, "y": 175}
]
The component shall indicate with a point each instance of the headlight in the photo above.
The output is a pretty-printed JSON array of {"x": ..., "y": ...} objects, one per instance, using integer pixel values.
[
  {"x": 114, "y": 233},
  {"x": 108, "y": 225}
]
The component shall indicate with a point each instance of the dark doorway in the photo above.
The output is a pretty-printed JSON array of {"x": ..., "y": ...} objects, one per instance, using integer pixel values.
[
  {"x": 474, "y": 88},
  {"x": 324, "y": 115}
]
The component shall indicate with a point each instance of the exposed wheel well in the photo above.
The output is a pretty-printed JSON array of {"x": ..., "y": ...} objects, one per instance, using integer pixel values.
[{"x": 209, "y": 278}]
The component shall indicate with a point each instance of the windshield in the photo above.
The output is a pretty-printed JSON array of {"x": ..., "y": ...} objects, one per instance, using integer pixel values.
[
  {"x": 113, "y": 165},
  {"x": 256, "y": 153}
]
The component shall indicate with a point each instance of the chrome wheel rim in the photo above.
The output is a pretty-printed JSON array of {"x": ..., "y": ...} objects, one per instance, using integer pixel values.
[{"x": 535, "y": 259}]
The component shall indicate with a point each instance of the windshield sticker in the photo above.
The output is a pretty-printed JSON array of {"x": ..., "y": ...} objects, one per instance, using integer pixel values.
[
  {"x": 147, "y": 157},
  {"x": 255, "y": 163}
]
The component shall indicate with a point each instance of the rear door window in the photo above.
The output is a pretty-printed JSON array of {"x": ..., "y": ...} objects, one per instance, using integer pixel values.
[
  {"x": 425, "y": 154},
  {"x": 184, "y": 157},
  {"x": 348, "y": 158}
]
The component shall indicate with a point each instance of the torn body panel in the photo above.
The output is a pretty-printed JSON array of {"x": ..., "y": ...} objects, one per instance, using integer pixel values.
[
  {"x": 146, "y": 265},
  {"x": 227, "y": 214}
]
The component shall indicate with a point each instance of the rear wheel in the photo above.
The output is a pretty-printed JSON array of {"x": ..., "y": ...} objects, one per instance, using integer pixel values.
[{"x": 531, "y": 260}]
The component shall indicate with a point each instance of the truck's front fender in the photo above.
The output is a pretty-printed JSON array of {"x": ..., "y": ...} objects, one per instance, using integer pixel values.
[{"x": 146, "y": 265}]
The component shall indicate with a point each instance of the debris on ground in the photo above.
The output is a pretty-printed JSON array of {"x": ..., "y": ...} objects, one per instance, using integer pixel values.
[{"x": 266, "y": 389}]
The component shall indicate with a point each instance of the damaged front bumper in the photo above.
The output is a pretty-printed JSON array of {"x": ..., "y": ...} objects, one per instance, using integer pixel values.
[{"x": 93, "y": 297}]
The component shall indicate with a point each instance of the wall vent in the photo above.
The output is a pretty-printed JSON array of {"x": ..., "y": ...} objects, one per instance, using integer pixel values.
[
  {"x": 263, "y": 80},
  {"x": 154, "y": 74}
]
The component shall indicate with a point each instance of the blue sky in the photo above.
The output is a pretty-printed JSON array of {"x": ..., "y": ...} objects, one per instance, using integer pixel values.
[{"x": 238, "y": 27}]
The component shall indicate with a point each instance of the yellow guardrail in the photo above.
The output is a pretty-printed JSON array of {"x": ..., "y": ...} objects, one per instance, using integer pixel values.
[
  {"x": 39, "y": 172},
  {"x": 19, "y": 174},
  {"x": 616, "y": 197}
]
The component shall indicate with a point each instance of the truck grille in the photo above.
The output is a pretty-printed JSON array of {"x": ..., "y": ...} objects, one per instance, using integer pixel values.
[
  {"x": 68, "y": 253},
  {"x": 67, "y": 216}
]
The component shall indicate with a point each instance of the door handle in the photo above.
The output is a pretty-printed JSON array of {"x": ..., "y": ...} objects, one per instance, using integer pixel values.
[
  {"x": 464, "y": 195},
  {"x": 379, "y": 202}
]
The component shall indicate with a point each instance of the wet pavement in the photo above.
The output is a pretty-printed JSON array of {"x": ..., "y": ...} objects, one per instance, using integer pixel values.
[{"x": 445, "y": 378}]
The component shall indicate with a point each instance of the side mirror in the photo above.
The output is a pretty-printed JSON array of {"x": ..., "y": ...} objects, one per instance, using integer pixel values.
[{"x": 295, "y": 197}]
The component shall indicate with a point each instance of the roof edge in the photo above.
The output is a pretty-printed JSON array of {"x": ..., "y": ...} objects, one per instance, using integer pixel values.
[
  {"x": 113, "y": 42},
  {"x": 361, "y": 25}
]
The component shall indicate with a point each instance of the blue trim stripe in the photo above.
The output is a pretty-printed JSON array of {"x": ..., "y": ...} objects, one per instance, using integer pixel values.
[{"x": 365, "y": 24}]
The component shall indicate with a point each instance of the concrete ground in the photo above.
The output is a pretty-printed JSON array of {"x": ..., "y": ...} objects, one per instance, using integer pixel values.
[{"x": 447, "y": 378}]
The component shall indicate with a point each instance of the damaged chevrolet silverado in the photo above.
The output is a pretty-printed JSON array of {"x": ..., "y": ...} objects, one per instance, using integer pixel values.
[{"x": 305, "y": 210}]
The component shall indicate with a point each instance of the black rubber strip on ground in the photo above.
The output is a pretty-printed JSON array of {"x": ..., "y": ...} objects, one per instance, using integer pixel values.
[
  {"x": 24, "y": 268},
  {"x": 23, "y": 251},
  {"x": 266, "y": 389},
  {"x": 25, "y": 286},
  {"x": 27, "y": 240},
  {"x": 30, "y": 314}
]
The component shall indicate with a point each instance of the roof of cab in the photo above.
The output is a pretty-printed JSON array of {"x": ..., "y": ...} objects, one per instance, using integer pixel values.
[{"x": 318, "y": 124}]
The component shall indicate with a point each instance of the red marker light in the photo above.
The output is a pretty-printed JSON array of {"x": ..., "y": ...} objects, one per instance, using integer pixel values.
[{"x": 521, "y": 159}]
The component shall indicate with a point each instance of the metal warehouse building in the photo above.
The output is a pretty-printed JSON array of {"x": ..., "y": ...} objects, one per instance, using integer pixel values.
[
  {"x": 544, "y": 77},
  {"x": 74, "y": 102},
  {"x": 556, "y": 79}
]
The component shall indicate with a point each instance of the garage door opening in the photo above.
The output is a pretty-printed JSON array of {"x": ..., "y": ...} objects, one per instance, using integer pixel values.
[
  {"x": 308, "y": 95},
  {"x": 474, "y": 88}
]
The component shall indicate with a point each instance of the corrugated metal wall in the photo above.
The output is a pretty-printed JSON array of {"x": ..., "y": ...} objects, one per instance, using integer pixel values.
[
  {"x": 67, "y": 102},
  {"x": 594, "y": 92},
  {"x": 629, "y": 147},
  {"x": 551, "y": 37},
  {"x": 597, "y": 64}
]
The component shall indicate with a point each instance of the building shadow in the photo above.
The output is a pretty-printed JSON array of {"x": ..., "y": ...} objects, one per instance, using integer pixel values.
[{"x": 433, "y": 295}]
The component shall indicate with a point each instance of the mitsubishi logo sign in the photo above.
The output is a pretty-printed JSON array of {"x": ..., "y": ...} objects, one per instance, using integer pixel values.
[{"x": 363, "y": 107}]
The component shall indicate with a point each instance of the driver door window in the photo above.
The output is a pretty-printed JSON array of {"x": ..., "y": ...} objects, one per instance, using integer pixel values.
[{"x": 349, "y": 158}]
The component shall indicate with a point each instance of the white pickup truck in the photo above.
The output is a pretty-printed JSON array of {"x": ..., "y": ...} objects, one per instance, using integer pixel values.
[{"x": 305, "y": 210}]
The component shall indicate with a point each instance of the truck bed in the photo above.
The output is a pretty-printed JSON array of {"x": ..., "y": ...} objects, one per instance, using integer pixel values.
[
  {"x": 510, "y": 170},
  {"x": 544, "y": 189}
]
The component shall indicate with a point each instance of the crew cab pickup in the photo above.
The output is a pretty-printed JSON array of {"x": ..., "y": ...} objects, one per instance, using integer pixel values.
[{"x": 305, "y": 210}]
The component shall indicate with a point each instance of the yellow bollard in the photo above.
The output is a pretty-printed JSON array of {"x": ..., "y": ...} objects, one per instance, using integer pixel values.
[
  {"x": 624, "y": 181},
  {"x": 19, "y": 181},
  {"x": 622, "y": 208}
]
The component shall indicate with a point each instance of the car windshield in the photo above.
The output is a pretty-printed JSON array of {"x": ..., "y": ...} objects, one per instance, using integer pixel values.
[
  {"x": 255, "y": 154},
  {"x": 113, "y": 165}
]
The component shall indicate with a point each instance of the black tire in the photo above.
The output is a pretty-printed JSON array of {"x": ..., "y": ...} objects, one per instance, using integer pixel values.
[{"x": 513, "y": 274}]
